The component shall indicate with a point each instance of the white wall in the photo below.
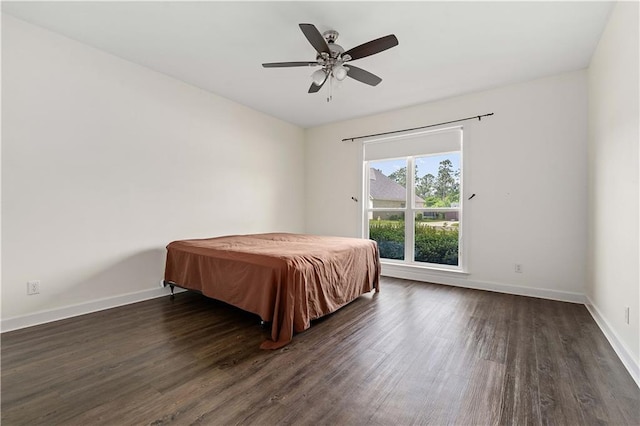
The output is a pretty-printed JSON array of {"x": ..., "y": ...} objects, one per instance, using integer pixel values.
[
  {"x": 527, "y": 165},
  {"x": 613, "y": 274},
  {"x": 105, "y": 162}
]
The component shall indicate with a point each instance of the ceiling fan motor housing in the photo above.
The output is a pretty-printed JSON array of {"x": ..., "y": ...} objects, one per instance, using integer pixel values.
[{"x": 330, "y": 35}]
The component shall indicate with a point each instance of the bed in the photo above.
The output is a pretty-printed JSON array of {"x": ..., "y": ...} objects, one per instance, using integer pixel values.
[{"x": 287, "y": 279}]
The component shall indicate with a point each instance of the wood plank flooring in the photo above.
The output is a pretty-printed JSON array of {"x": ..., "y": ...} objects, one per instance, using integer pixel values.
[{"x": 415, "y": 353}]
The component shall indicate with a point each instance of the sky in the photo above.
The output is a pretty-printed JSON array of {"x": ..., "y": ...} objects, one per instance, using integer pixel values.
[{"x": 427, "y": 164}]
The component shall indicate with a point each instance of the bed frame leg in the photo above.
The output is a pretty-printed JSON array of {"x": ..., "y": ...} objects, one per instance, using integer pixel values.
[{"x": 171, "y": 287}]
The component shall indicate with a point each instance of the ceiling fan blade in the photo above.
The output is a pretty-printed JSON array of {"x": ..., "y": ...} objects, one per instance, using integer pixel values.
[
  {"x": 363, "y": 76},
  {"x": 315, "y": 38},
  {"x": 289, "y": 64},
  {"x": 315, "y": 88},
  {"x": 372, "y": 47}
]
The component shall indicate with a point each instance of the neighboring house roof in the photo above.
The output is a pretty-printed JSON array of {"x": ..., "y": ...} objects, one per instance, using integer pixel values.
[{"x": 381, "y": 187}]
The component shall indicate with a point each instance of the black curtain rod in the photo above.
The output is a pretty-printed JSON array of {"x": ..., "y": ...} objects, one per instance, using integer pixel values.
[{"x": 478, "y": 117}]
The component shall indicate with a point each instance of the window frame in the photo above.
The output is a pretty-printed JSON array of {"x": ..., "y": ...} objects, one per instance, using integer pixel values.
[{"x": 410, "y": 208}]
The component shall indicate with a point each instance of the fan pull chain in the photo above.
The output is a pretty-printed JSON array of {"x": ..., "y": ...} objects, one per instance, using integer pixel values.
[{"x": 330, "y": 97}]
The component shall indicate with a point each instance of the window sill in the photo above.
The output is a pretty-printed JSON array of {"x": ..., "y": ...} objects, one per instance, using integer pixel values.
[{"x": 396, "y": 269}]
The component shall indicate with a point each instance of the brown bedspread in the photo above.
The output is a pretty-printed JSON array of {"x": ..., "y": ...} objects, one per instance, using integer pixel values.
[{"x": 286, "y": 279}]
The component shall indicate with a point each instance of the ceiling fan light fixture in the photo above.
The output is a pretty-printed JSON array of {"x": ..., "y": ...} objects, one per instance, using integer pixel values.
[
  {"x": 340, "y": 72},
  {"x": 318, "y": 77}
]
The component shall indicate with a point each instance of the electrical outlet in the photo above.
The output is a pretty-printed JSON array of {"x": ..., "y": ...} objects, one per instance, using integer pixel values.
[
  {"x": 33, "y": 287},
  {"x": 626, "y": 314},
  {"x": 518, "y": 268}
]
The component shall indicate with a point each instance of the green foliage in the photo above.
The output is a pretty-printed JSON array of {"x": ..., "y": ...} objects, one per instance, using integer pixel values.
[
  {"x": 425, "y": 186},
  {"x": 438, "y": 191},
  {"x": 433, "y": 245},
  {"x": 444, "y": 181},
  {"x": 442, "y": 202},
  {"x": 390, "y": 238},
  {"x": 400, "y": 176}
]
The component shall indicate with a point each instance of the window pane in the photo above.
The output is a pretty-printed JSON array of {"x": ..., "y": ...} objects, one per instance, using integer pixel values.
[
  {"x": 387, "y": 229},
  {"x": 388, "y": 184},
  {"x": 437, "y": 180},
  {"x": 437, "y": 237}
]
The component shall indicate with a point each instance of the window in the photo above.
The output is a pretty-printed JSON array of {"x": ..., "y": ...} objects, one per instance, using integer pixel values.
[{"x": 416, "y": 216}]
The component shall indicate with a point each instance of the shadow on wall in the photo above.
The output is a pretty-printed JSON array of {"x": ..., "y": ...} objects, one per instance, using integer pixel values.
[{"x": 138, "y": 272}]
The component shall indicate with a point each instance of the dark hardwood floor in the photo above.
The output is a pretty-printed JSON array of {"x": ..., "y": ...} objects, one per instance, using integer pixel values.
[{"x": 414, "y": 354}]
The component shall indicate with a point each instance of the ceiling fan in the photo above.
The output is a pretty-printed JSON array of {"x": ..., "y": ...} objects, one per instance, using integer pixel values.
[{"x": 332, "y": 58}]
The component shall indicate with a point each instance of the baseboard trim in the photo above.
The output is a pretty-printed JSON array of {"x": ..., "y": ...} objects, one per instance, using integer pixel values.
[
  {"x": 632, "y": 365},
  {"x": 42, "y": 317},
  {"x": 459, "y": 280}
]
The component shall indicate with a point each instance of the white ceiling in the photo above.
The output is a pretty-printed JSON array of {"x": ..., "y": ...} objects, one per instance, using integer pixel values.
[{"x": 445, "y": 48}]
